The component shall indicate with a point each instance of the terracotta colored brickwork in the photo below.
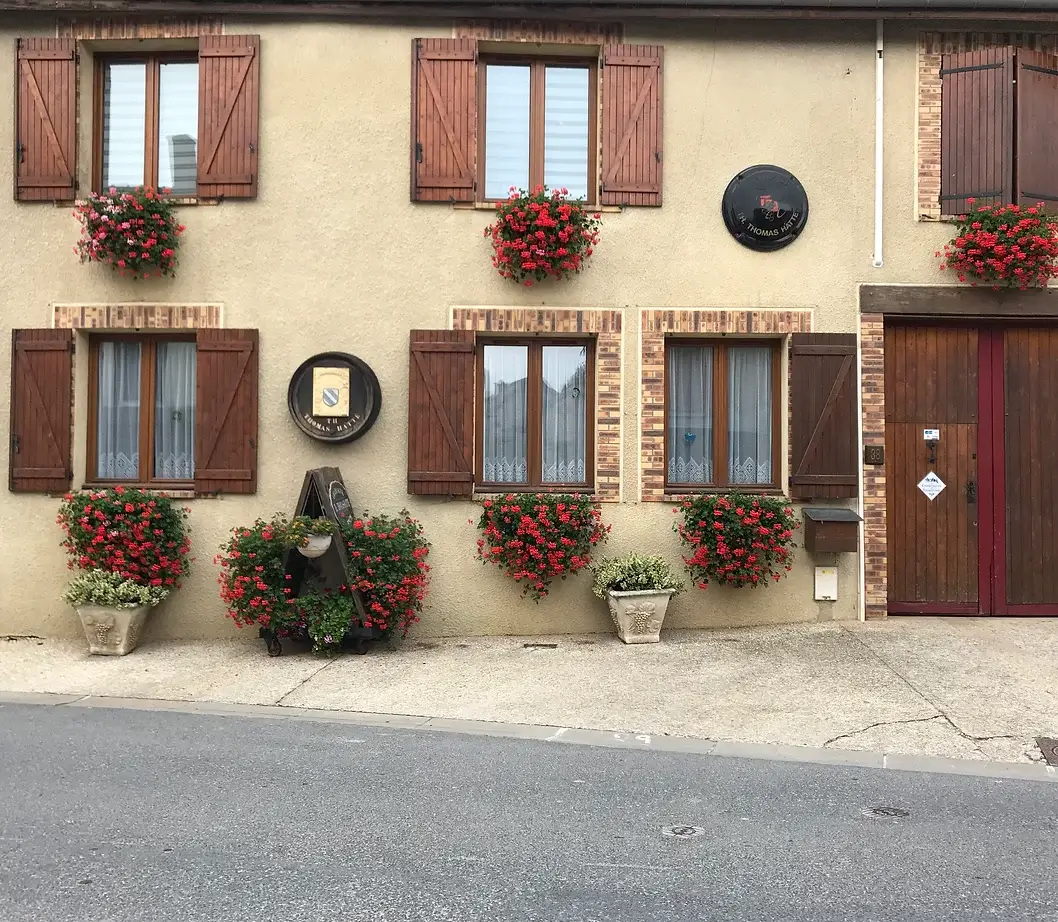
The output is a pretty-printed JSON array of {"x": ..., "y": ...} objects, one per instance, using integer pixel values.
[
  {"x": 605, "y": 326},
  {"x": 656, "y": 325},
  {"x": 872, "y": 359},
  {"x": 556, "y": 33},
  {"x": 931, "y": 45},
  {"x": 137, "y": 316}
]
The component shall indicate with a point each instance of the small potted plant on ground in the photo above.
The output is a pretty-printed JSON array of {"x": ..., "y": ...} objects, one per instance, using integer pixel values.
[
  {"x": 112, "y": 609},
  {"x": 310, "y": 536},
  {"x": 638, "y": 590}
]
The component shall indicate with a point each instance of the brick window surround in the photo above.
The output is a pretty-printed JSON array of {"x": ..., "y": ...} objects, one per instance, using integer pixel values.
[
  {"x": 931, "y": 45},
  {"x": 553, "y": 33},
  {"x": 655, "y": 326},
  {"x": 137, "y": 316},
  {"x": 605, "y": 325}
]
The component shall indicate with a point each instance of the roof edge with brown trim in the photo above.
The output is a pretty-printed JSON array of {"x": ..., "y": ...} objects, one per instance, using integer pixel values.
[{"x": 580, "y": 10}]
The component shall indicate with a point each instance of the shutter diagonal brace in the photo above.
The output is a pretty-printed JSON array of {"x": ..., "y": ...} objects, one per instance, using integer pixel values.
[
  {"x": 45, "y": 117},
  {"x": 442, "y": 114},
  {"x": 34, "y": 389},
  {"x": 637, "y": 110},
  {"x": 245, "y": 348},
  {"x": 828, "y": 410},
  {"x": 218, "y": 127},
  {"x": 446, "y": 423}
]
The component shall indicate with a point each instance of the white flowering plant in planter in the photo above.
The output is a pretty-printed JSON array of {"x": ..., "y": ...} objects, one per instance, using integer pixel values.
[
  {"x": 111, "y": 590},
  {"x": 637, "y": 589}
]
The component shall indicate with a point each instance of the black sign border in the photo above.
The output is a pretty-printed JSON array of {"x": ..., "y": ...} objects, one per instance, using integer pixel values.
[
  {"x": 372, "y": 381},
  {"x": 758, "y": 244}
]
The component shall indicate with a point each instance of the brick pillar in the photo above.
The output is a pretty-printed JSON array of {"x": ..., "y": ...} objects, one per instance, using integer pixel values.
[{"x": 872, "y": 351}]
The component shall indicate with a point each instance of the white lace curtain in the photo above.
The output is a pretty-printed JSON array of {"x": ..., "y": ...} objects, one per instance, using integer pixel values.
[
  {"x": 118, "y": 422},
  {"x": 505, "y": 433},
  {"x": 691, "y": 414},
  {"x": 118, "y": 419},
  {"x": 564, "y": 429},
  {"x": 174, "y": 412},
  {"x": 749, "y": 415}
]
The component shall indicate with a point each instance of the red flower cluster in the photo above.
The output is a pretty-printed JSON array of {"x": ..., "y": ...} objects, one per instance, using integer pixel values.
[
  {"x": 535, "y": 537},
  {"x": 735, "y": 539},
  {"x": 387, "y": 564},
  {"x": 1004, "y": 245},
  {"x": 141, "y": 536},
  {"x": 387, "y": 561},
  {"x": 252, "y": 579},
  {"x": 135, "y": 232},
  {"x": 539, "y": 234}
]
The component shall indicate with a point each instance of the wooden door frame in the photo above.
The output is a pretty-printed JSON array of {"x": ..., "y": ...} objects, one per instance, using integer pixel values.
[{"x": 991, "y": 472}]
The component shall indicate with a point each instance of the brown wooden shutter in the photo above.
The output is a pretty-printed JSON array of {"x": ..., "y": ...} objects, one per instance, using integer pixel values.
[
  {"x": 444, "y": 113},
  {"x": 977, "y": 129},
  {"x": 823, "y": 430},
  {"x": 229, "y": 77},
  {"x": 1037, "y": 154},
  {"x": 46, "y": 120},
  {"x": 631, "y": 125},
  {"x": 41, "y": 410},
  {"x": 441, "y": 413},
  {"x": 226, "y": 412}
]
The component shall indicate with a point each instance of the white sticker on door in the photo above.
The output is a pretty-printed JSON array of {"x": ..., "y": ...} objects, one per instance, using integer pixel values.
[{"x": 931, "y": 485}]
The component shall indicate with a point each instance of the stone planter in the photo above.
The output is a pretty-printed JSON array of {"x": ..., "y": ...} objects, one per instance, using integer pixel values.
[
  {"x": 316, "y": 546},
  {"x": 112, "y": 631},
  {"x": 638, "y": 615}
]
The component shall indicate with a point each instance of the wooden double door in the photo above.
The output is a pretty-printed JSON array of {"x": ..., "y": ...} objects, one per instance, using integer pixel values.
[{"x": 976, "y": 406}]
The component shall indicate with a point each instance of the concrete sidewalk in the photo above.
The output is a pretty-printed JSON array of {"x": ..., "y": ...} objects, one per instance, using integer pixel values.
[{"x": 957, "y": 688}]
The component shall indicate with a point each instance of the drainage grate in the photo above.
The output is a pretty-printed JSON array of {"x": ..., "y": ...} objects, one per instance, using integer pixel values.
[
  {"x": 540, "y": 646},
  {"x": 886, "y": 811},
  {"x": 683, "y": 832},
  {"x": 1049, "y": 748}
]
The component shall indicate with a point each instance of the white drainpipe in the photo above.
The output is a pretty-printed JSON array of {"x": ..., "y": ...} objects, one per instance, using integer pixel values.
[{"x": 879, "y": 140}]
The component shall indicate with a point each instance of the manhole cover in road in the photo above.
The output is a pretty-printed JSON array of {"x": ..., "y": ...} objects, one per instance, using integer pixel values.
[
  {"x": 886, "y": 811},
  {"x": 683, "y": 832},
  {"x": 1049, "y": 748}
]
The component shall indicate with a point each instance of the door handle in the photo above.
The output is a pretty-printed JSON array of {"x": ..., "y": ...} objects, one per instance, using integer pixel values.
[{"x": 971, "y": 491}]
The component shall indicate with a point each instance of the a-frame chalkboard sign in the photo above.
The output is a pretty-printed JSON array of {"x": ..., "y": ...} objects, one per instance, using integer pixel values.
[{"x": 323, "y": 496}]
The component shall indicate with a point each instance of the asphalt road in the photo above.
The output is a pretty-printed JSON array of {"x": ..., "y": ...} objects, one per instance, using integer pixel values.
[{"x": 125, "y": 815}]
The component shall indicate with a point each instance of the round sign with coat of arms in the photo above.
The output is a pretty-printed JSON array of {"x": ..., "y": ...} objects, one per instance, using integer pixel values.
[{"x": 334, "y": 397}]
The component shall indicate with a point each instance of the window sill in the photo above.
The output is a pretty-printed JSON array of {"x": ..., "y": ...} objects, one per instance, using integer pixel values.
[
  {"x": 178, "y": 490},
  {"x": 180, "y": 202},
  {"x": 673, "y": 495},
  {"x": 489, "y": 491},
  {"x": 492, "y": 206}
]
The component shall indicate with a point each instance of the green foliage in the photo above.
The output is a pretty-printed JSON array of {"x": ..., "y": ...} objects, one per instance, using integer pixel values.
[
  {"x": 100, "y": 587},
  {"x": 634, "y": 573},
  {"x": 302, "y": 527},
  {"x": 327, "y": 617}
]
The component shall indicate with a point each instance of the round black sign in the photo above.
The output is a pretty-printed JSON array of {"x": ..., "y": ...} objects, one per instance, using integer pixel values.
[
  {"x": 765, "y": 207},
  {"x": 334, "y": 397}
]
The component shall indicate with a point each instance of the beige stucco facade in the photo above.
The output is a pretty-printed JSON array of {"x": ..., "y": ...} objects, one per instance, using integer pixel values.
[{"x": 332, "y": 255}]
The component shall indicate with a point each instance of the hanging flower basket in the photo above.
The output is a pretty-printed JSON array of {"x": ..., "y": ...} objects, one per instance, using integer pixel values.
[
  {"x": 541, "y": 234},
  {"x": 1005, "y": 246},
  {"x": 136, "y": 233}
]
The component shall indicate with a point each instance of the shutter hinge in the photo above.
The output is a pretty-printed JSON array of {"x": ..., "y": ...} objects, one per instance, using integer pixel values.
[
  {"x": 16, "y": 444},
  {"x": 20, "y": 149},
  {"x": 418, "y": 152},
  {"x": 657, "y": 156}
]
